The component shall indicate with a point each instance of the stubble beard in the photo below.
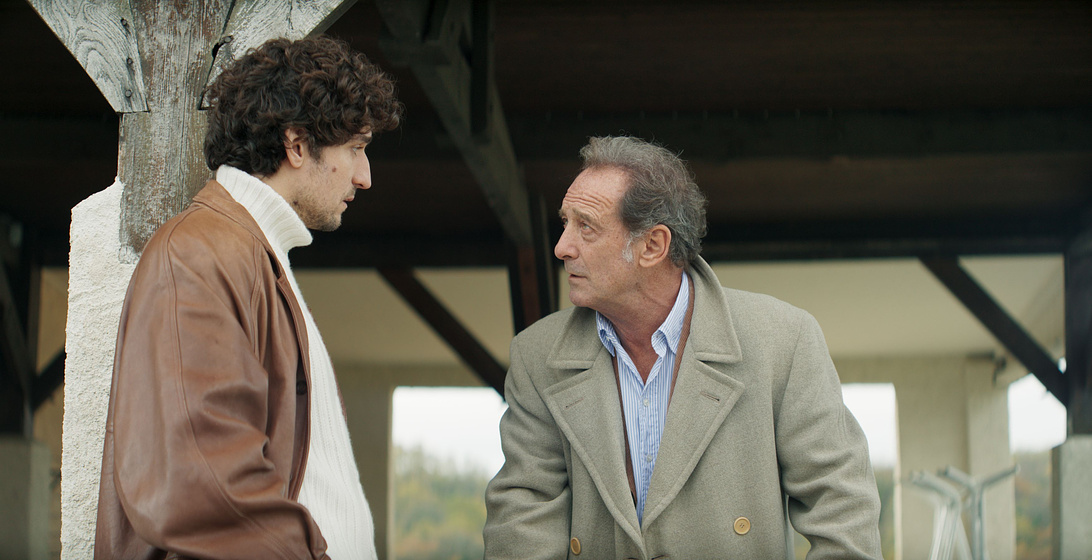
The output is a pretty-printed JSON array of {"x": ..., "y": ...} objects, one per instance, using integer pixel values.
[{"x": 310, "y": 212}]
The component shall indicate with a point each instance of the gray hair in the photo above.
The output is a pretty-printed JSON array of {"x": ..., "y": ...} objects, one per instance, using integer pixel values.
[{"x": 661, "y": 191}]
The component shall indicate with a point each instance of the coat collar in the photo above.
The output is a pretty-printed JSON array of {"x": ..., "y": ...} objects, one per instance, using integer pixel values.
[
  {"x": 712, "y": 333},
  {"x": 587, "y": 408}
]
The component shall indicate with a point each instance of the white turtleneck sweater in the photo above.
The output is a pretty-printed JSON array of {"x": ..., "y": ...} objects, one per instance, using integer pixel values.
[{"x": 331, "y": 483}]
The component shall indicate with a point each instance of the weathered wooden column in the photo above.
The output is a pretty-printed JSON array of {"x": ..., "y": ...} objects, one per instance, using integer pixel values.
[
  {"x": 1072, "y": 468},
  {"x": 151, "y": 59}
]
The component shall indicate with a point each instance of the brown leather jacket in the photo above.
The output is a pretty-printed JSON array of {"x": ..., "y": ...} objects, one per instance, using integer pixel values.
[{"x": 207, "y": 431}]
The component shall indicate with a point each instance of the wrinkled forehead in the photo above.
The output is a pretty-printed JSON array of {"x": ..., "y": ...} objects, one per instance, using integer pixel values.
[{"x": 596, "y": 192}]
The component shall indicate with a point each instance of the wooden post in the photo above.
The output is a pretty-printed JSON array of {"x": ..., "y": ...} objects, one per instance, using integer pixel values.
[
  {"x": 1078, "y": 334},
  {"x": 158, "y": 87},
  {"x": 160, "y": 159}
]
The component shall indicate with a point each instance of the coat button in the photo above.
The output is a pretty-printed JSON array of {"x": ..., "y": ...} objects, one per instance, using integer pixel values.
[
  {"x": 574, "y": 545},
  {"x": 301, "y": 387},
  {"x": 742, "y": 525}
]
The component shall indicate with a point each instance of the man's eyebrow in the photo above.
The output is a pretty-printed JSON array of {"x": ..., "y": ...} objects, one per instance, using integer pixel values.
[{"x": 578, "y": 215}]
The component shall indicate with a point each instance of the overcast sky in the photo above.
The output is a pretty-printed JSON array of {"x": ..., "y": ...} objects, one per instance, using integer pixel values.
[{"x": 461, "y": 423}]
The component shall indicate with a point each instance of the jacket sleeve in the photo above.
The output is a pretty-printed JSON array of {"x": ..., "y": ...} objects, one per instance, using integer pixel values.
[
  {"x": 193, "y": 420},
  {"x": 529, "y": 502},
  {"x": 825, "y": 468}
]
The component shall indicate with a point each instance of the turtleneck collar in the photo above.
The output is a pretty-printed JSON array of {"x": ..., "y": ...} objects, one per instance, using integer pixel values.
[{"x": 280, "y": 223}]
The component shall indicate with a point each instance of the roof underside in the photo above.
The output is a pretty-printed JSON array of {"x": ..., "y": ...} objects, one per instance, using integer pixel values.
[{"x": 817, "y": 129}]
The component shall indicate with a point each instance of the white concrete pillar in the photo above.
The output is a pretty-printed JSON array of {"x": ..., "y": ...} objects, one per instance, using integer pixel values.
[
  {"x": 24, "y": 491},
  {"x": 97, "y": 283},
  {"x": 988, "y": 453},
  {"x": 1072, "y": 489},
  {"x": 368, "y": 414}
]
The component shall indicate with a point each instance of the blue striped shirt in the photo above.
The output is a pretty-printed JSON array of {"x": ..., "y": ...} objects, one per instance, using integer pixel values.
[{"x": 645, "y": 403}]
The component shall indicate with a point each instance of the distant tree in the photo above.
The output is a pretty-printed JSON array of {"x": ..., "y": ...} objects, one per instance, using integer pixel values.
[
  {"x": 439, "y": 508},
  {"x": 1034, "y": 517}
]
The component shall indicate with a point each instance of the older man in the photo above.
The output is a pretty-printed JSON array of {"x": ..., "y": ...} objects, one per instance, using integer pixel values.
[{"x": 665, "y": 416}]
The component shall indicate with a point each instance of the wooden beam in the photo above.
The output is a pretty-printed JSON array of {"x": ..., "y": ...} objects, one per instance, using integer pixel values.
[
  {"x": 546, "y": 264},
  {"x": 1078, "y": 331},
  {"x": 532, "y": 276},
  {"x": 482, "y": 17},
  {"x": 871, "y": 246},
  {"x": 100, "y": 34},
  {"x": 344, "y": 249},
  {"x": 253, "y": 22},
  {"x": 47, "y": 382},
  {"x": 433, "y": 312},
  {"x": 427, "y": 38},
  {"x": 16, "y": 363},
  {"x": 372, "y": 249},
  {"x": 523, "y": 289},
  {"x": 1003, "y": 327},
  {"x": 738, "y": 136}
]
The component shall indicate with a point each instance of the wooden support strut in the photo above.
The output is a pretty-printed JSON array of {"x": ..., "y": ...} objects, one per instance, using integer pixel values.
[
  {"x": 101, "y": 36},
  {"x": 476, "y": 356},
  {"x": 252, "y": 22},
  {"x": 17, "y": 361},
  {"x": 1007, "y": 331},
  {"x": 426, "y": 37}
]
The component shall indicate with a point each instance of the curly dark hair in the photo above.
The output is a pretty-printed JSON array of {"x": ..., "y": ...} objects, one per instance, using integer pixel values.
[{"x": 318, "y": 84}]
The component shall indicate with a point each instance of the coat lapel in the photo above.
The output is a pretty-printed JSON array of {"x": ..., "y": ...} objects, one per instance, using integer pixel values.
[
  {"x": 703, "y": 395},
  {"x": 586, "y": 408}
]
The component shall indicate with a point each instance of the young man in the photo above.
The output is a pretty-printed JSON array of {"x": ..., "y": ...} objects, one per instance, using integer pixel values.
[
  {"x": 225, "y": 436},
  {"x": 665, "y": 416}
]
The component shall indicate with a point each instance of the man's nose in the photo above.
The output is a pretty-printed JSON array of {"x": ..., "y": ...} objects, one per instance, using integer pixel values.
[
  {"x": 362, "y": 177},
  {"x": 565, "y": 248}
]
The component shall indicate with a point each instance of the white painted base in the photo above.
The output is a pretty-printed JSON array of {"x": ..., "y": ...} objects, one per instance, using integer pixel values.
[{"x": 97, "y": 282}]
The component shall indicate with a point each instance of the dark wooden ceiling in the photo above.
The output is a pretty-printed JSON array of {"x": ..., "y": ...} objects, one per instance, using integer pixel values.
[{"x": 818, "y": 129}]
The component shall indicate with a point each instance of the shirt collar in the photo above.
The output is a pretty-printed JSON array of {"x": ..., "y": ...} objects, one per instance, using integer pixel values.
[
  {"x": 670, "y": 331},
  {"x": 276, "y": 218}
]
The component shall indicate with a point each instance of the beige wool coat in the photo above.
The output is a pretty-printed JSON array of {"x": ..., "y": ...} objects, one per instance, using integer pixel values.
[{"x": 756, "y": 415}]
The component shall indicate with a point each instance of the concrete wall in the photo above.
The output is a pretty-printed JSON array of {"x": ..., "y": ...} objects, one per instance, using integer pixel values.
[
  {"x": 24, "y": 491},
  {"x": 951, "y": 412}
]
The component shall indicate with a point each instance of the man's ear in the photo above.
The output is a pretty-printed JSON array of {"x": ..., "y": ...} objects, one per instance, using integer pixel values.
[
  {"x": 295, "y": 147},
  {"x": 655, "y": 245}
]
